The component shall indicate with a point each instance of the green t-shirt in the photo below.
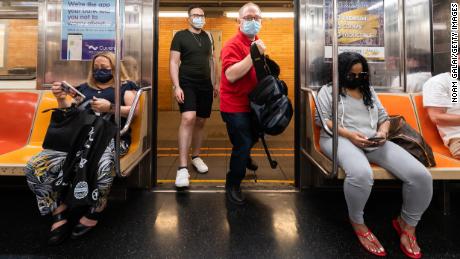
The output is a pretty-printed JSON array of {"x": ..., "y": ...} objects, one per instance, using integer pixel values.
[{"x": 195, "y": 52}]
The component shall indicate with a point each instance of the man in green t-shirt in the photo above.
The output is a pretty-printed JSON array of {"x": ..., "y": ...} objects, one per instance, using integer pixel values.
[{"x": 191, "y": 65}]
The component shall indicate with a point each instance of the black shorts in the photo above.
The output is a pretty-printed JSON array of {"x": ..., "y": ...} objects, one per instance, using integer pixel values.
[{"x": 197, "y": 98}]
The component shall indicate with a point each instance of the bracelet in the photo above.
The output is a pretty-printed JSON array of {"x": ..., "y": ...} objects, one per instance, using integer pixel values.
[{"x": 111, "y": 107}]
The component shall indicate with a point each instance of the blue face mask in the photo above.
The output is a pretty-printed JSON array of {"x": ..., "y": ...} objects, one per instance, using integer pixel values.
[
  {"x": 102, "y": 75},
  {"x": 198, "y": 22},
  {"x": 251, "y": 28}
]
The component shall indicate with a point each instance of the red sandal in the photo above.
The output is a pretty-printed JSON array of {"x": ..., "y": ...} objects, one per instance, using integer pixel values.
[
  {"x": 370, "y": 236},
  {"x": 412, "y": 240}
]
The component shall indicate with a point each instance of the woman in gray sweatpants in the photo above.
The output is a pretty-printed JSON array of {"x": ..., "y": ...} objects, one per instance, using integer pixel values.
[{"x": 362, "y": 116}]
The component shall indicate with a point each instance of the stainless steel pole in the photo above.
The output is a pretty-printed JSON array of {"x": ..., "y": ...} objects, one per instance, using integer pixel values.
[
  {"x": 118, "y": 27},
  {"x": 335, "y": 89},
  {"x": 402, "y": 44}
]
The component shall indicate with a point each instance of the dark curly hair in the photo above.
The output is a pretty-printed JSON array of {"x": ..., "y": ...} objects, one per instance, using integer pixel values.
[{"x": 346, "y": 61}]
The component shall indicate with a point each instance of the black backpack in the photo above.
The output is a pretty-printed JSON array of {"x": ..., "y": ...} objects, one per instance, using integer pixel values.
[{"x": 271, "y": 108}]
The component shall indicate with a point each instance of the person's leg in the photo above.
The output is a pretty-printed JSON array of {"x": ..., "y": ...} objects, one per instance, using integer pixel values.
[
  {"x": 188, "y": 118},
  {"x": 187, "y": 124},
  {"x": 240, "y": 134},
  {"x": 43, "y": 172},
  {"x": 104, "y": 182},
  {"x": 417, "y": 184},
  {"x": 203, "y": 112},
  {"x": 357, "y": 185},
  {"x": 197, "y": 139}
]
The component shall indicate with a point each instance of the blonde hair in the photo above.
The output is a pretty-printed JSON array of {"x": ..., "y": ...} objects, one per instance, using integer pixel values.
[
  {"x": 132, "y": 68},
  {"x": 111, "y": 57}
]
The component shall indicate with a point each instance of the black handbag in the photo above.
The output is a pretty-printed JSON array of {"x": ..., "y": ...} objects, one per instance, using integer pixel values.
[{"x": 65, "y": 126}]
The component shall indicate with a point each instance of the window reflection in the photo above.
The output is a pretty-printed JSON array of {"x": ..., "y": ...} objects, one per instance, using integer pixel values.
[{"x": 18, "y": 49}]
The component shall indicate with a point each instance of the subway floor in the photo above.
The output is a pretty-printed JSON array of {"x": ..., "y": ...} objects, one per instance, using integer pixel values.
[
  {"x": 310, "y": 224},
  {"x": 217, "y": 149}
]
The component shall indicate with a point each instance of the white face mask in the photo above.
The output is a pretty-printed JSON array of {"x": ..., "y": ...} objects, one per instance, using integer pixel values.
[{"x": 198, "y": 22}]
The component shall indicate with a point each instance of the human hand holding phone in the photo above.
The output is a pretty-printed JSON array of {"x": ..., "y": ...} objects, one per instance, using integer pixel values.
[
  {"x": 72, "y": 91},
  {"x": 378, "y": 139},
  {"x": 58, "y": 91}
]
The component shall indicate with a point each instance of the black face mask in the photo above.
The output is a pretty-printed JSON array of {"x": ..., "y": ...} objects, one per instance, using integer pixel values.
[
  {"x": 102, "y": 75},
  {"x": 355, "y": 83}
]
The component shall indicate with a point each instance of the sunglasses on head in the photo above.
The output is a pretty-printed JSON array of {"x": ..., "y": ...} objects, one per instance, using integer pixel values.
[{"x": 361, "y": 75}]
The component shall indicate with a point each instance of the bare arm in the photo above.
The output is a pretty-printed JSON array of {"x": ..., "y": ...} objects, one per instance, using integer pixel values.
[
  {"x": 216, "y": 72},
  {"x": 357, "y": 138},
  {"x": 129, "y": 101},
  {"x": 342, "y": 131},
  {"x": 384, "y": 128},
  {"x": 238, "y": 70},
  {"x": 103, "y": 106},
  {"x": 174, "y": 61},
  {"x": 439, "y": 116}
]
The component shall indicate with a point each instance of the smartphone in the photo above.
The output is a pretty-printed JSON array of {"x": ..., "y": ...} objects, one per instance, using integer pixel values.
[
  {"x": 376, "y": 139},
  {"x": 68, "y": 88}
]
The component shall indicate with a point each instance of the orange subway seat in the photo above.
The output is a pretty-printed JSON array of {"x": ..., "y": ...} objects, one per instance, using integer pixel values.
[
  {"x": 18, "y": 110},
  {"x": 316, "y": 129},
  {"x": 400, "y": 104},
  {"x": 429, "y": 130}
]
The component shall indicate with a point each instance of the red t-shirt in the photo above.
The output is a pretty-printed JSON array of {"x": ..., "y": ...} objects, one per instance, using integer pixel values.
[{"x": 234, "y": 97}]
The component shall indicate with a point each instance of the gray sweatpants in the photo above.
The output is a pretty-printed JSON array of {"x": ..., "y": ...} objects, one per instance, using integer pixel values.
[{"x": 417, "y": 182}]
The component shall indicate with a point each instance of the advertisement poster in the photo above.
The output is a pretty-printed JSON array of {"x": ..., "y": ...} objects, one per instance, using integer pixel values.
[
  {"x": 360, "y": 28},
  {"x": 88, "y": 27}
]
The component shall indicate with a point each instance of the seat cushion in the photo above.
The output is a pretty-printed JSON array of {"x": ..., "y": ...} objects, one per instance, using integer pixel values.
[{"x": 17, "y": 115}]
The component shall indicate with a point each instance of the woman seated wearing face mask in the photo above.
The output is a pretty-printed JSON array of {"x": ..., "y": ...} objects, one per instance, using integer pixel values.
[
  {"x": 363, "y": 129},
  {"x": 42, "y": 171}
]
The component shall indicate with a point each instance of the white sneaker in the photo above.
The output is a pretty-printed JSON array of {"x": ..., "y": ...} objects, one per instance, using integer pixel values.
[
  {"x": 199, "y": 165},
  {"x": 182, "y": 178}
]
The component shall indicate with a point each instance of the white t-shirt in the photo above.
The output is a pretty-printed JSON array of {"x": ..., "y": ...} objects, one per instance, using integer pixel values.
[{"x": 437, "y": 93}]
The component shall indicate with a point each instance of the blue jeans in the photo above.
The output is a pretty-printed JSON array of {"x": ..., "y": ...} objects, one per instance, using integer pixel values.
[{"x": 243, "y": 137}]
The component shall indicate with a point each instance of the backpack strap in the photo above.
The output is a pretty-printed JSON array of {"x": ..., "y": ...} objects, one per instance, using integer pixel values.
[{"x": 260, "y": 65}]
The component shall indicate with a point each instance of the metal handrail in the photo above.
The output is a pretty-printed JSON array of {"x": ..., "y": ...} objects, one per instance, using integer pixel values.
[
  {"x": 132, "y": 110},
  {"x": 320, "y": 114},
  {"x": 318, "y": 110},
  {"x": 325, "y": 128}
]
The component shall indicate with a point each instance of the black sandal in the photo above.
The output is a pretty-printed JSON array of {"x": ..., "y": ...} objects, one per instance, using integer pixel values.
[
  {"x": 58, "y": 235},
  {"x": 80, "y": 230}
]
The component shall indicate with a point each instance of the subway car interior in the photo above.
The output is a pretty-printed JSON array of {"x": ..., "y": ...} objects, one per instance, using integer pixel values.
[{"x": 301, "y": 208}]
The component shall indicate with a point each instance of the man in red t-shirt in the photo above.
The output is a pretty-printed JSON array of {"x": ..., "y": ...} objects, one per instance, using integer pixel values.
[{"x": 238, "y": 80}]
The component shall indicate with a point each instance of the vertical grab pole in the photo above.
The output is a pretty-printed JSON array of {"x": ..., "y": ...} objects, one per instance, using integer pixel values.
[
  {"x": 335, "y": 90},
  {"x": 402, "y": 44},
  {"x": 117, "y": 84}
]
